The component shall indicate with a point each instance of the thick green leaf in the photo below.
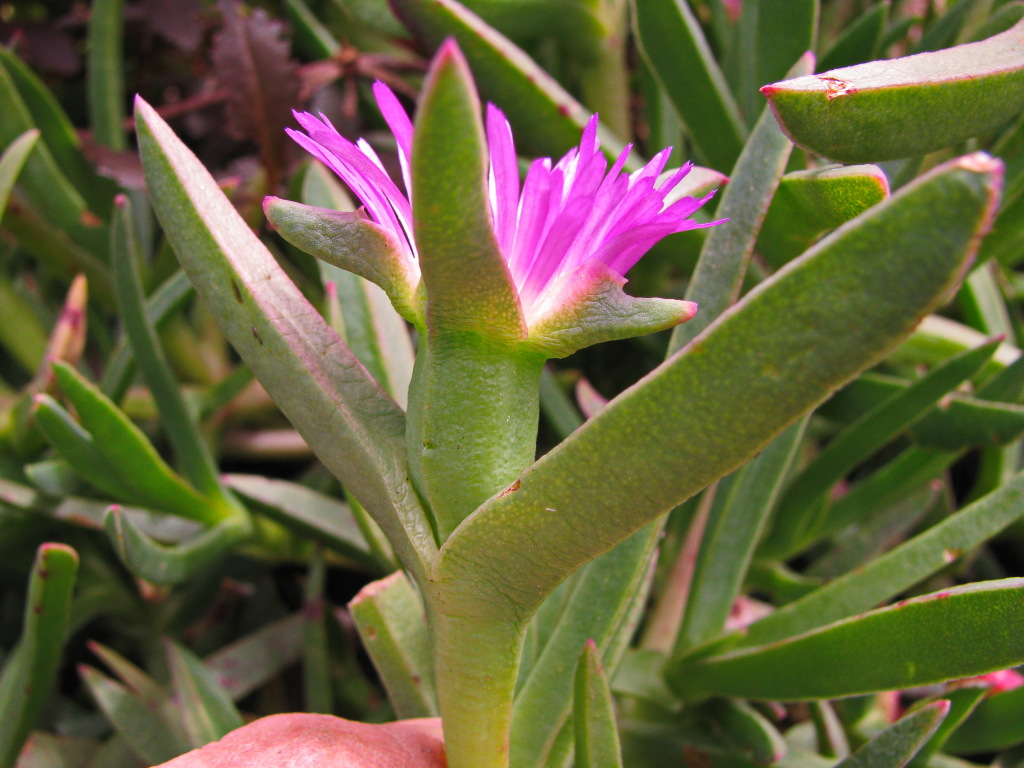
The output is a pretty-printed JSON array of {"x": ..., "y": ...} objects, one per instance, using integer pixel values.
[
  {"x": 960, "y": 422},
  {"x": 596, "y": 734},
  {"x": 962, "y": 702},
  {"x": 545, "y": 118},
  {"x": 678, "y": 55},
  {"x": 31, "y": 667},
  {"x": 716, "y": 282},
  {"x": 897, "y": 570},
  {"x": 390, "y": 620},
  {"x": 734, "y": 527},
  {"x": 190, "y": 447},
  {"x": 452, "y": 219},
  {"x": 946, "y": 635},
  {"x": 205, "y": 706},
  {"x": 810, "y": 203},
  {"x": 897, "y": 744},
  {"x": 355, "y": 429},
  {"x": 780, "y": 351},
  {"x": 746, "y": 730},
  {"x": 903, "y": 107},
  {"x": 794, "y": 525}
]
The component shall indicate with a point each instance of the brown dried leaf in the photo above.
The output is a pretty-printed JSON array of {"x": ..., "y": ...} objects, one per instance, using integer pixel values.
[{"x": 252, "y": 60}]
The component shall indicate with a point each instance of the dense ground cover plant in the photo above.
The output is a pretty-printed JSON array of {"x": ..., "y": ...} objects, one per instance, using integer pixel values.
[{"x": 454, "y": 465}]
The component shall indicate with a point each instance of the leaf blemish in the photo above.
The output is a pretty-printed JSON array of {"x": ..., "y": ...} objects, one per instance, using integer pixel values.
[
  {"x": 511, "y": 489},
  {"x": 237, "y": 291},
  {"x": 256, "y": 335}
]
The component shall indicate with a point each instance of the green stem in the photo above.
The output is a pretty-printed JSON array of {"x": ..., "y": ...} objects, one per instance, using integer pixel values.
[
  {"x": 477, "y": 663},
  {"x": 472, "y": 422}
]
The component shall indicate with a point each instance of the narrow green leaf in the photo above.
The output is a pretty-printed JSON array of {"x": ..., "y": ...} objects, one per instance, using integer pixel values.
[
  {"x": 316, "y": 660},
  {"x": 808, "y": 204},
  {"x": 310, "y": 514},
  {"x": 596, "y": 733},
  {"x": 310, "y": 33},
  {"x": 206, "y": 708},
  {"x": 746, "y": 730},
  {"x": 246, "y": 664},
  {"x": 995, "y": 724},
  {"x": 152, "y": 738},
  {"x": 860, "y": 41},
  {"x": 191, "y": 449},
  {"x": 897, "y": 570},
  {"x": 904, "y": 107},
  {"x": 959, "y": 632},
  {"x": 594, "y": 610},
  {"x": 962, "y": 421},
  {"x": 962, "y": 702},
  {"x": 12, "y": 161},
  {"x": 780, "y": 351},
  {"x": 31, "y": 667},
  {"x": 678, "y": 55},
  {"x": 767, "y": 45},
  {"x": 794, "y": 524},
  {"x": 716, "y": 282},
  {"x": 119, "y": 370},
  {"x": 105, "y": 73},
  {"x": 545, "y": 118},
  {"x": 733, "y": 530},
  {"x": 169, "y": 565},
  {"x": 556, "y": 406},
  {"x": 58, "y": 132},
  {"x": 897, "y": 744},
  {"x": 356, "y": 430},
  {"x": 43, "y": 178},
  {"x": 390, "y": 620}
]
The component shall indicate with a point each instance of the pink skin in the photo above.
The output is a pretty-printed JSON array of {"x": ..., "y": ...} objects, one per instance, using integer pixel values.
[
  {"x": 567, "y": 217},
  {"x": 314, "y": 741}
]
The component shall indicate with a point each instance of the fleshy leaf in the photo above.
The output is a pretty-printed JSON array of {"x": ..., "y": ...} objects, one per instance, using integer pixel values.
[
  {"x": 30, "y": 668},
  {"x": 807, "y": 204},
  {"x": 854, "y": 288},
  {"x": 355, "y": 429},
  {"x": 955, "y": 633},
  {"x": 352, "y": 242},
  {"x": 897, "y": 744},
  {"x": 883, "y": 110},
  {"x": 597, "y": 737}
]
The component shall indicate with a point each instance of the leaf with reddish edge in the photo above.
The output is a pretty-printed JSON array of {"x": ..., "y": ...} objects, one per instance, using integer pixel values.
[
  {"x": 355, "y": 429},
  {"x": 947, "y": 635},
  {"x": 884, "y": 110},
  {"x": 897, "y": 744}
]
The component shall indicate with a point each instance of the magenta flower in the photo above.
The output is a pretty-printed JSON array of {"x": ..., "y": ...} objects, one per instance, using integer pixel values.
[
  {"x": 567, "y": 216},
  {"x": 568, "y": 234}
]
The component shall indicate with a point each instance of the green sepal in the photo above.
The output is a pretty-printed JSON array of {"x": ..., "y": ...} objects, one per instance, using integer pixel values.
[
  {"x": 590, "y": 307},
  {"x": 468, "y": 285},
  {"x": 351, "y": 241}
]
